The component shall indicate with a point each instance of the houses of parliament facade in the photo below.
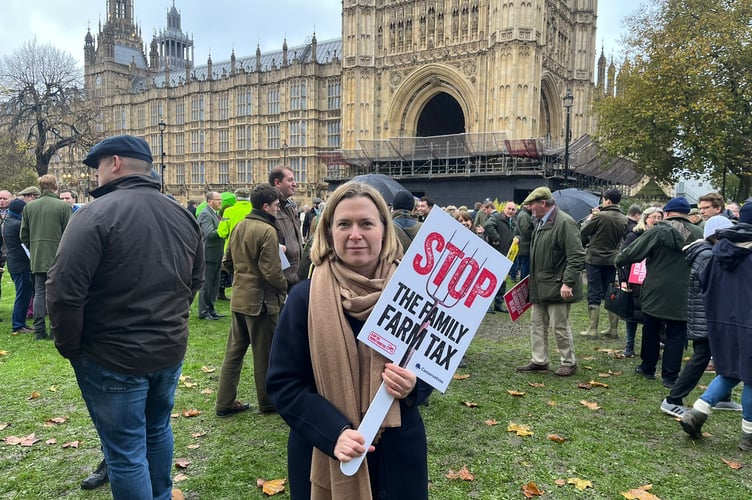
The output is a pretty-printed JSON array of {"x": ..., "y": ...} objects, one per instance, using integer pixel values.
[{"x": 435, "y": 93}]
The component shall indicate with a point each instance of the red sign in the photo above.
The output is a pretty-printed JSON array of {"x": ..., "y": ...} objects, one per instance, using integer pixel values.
[
  {"x": 637, "y": 273},
  {"x": 517, "y": 299}
]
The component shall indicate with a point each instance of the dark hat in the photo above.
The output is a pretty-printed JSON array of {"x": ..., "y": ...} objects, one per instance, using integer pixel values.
[
  {"x": 745, "y": 213},
  {"x": 122, "y": 145},
  {"x": 30, "y": 190},
  {"x": 403, "y": 200},
  {"x": 16, "y": 206},
  {"x": 678, "y": 204},
  {"x": 316, "y": 201},
  {"x": 540, "y": 193}
]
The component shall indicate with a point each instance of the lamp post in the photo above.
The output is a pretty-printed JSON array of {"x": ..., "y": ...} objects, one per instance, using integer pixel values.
[
  {"x": 568, "y": 101},
  {"x": 284, "y": 153},
  {"x": 162, "y": 127}
]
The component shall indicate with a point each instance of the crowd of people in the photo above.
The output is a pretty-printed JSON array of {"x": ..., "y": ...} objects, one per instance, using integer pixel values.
[{"x": 118, "y": 280}]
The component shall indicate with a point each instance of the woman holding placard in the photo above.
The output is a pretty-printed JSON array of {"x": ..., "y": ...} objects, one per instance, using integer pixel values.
[{"x": 322, "y": 380}]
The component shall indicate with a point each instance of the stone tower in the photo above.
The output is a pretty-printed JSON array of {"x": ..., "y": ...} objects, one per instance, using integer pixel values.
[{"x": 435, "y": 67}]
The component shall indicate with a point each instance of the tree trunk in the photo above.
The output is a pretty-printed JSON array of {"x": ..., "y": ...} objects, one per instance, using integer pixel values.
[{"x": 745, "y": 186}]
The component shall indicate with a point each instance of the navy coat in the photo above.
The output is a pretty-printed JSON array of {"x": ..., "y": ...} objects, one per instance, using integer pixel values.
[{"x": 398, "y": 468}]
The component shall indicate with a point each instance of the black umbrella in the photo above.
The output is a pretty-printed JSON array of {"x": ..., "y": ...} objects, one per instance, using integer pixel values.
[
  {"x": 385, "y": 185},
  {"x": 578, "y": 204}
]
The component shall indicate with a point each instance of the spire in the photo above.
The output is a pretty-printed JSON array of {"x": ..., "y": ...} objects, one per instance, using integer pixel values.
[
  {"x": 258, "y": 57},
  {"x": 284, "y": 52}
]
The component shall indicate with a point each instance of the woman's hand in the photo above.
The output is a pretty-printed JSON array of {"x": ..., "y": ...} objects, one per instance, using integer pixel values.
[
  {"x": 350, "y": 444},
  {"x": 400, "y": 382}
]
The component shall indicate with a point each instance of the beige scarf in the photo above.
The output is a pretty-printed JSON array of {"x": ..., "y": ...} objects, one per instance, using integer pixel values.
[{"x": 347, "y": 372}]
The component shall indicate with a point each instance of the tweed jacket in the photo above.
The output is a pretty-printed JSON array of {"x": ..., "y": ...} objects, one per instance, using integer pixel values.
[{"x": 259, "y": 287}]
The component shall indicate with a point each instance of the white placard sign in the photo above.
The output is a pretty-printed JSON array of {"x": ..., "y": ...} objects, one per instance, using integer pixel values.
[{"x": 436, "y": 300}]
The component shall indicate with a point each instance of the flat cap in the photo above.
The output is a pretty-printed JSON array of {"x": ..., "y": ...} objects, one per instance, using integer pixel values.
[
  {"x": 121, "y": 145},
  {"x": 31, "y": 190},
  {"x": 539, "y": 193},
  {"x": 244, "y": 193}
]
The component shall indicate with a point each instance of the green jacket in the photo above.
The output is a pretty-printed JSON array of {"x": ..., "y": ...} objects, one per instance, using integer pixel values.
[
  {"x": 42, "y": 224},
  {"x": 499, "y": 232},
  {"x": 603, "y": 235},
  {"x": 556, "y": 257},
  {"x": 664, "y": 292},
  {"x": 230, "y": 218},
  {"x": 524, "y": 230}
]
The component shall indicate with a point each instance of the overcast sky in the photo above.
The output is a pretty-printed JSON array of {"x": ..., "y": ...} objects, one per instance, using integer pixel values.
[{"x": 219, "y": 26}]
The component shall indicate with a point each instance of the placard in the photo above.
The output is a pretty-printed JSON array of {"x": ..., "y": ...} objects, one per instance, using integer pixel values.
[
  {"x": 637, "y": 273},
  {"x": 518, "y": 299},
  {"x": 436, "y": 300}
]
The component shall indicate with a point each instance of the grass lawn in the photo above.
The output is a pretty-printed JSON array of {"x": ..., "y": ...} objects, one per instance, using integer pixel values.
[{"x": 624, "y": 444}]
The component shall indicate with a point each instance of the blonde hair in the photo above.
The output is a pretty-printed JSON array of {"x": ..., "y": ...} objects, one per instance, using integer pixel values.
[
  {"x": 641, "y": 225},
  {"x": 323, "y": 245}
]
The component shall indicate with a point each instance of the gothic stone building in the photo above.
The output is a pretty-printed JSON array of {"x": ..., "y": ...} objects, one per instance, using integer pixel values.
[{"x": 459, "y": 99}]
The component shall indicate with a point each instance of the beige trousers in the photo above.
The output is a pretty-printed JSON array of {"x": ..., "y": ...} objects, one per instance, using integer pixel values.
[{"x": 555, "y": 316}]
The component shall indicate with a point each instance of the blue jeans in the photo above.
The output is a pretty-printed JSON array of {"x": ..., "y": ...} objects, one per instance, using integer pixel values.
[
  {"x": 523, "y": 265},
  {"x": 598, "y": 279},
  {"x": 132, "y": 416},
  {"x": 720, "y": 387},
  {"x": 24, "y": 289}
]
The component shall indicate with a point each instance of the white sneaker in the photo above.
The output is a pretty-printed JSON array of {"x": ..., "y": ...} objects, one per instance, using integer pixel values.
[
  {"x": 677, "y": 411},
  {"x": 727, "y": 405}
]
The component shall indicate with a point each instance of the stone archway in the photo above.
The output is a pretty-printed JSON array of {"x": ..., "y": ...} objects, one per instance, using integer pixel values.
[
  {"x": 421, "y": 95},
  {"x": 441, "y": 115},
  {"x": 550, "y": 125}
]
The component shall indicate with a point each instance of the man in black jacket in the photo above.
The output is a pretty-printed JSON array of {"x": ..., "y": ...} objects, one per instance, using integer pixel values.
[{"x": 119, "y": 292}]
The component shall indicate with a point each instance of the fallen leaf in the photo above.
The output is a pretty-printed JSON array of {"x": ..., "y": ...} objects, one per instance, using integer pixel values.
[
  {"x": 640, "y": 493},
  {"x": 580, "y": 484},
  {"x": 552, "y": 403},
  {"x": 208, "y": 369},
  {"x": 615, "y": 374},
  {"x": 492, "y": 422},
  {"x": 190, "y": 385},
  {"x": 179, "y": 477},
  {"x": 463, "y": 474},
  {"x": 71, "y": 444},
  {"x": 587, "y": 367},
  {"x": 515, "y": 393},
  {"x": 51, "y": 441},
  {"x": 194, "y": 446},
  {"x": 556, "y": 438},
  {"x": 604, "y": 375},
  {"x": 34, "y": 395},
  {"x": 183, "y": 378},
  {"x": 29, "y": 440},
  {"x": 591, "y": 405},
  {"x": 52, "y": 388},
  {"x": 463, "y": 376},
  {"x": 583, "y": 385},
  {"x": 4, "y": 425},
  {"x": 198, "y": 434},
  {"x": 470, "y": 404},
  {"x": 520, "y": 429},
  {"x": 531, "y": 490},
  {"x": 206, "y": 391},
  {"x": 174, "y": 415},
  {"x": 55, "y": 421},
  {"x": 588, "y": 358},
  {"x": 3, "y": 353},
  {"x": 191, "y": 413},
  {"x": 536, "y": 384},
  {"x": 733, "y": 465},
  {"x": 274, "y": 486},
  {"x": 177, "y": 494},
  {"x": 560, "y": 482},
  {"x": 182, "y": 463},
  {"x": 595, "y": 383}
]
